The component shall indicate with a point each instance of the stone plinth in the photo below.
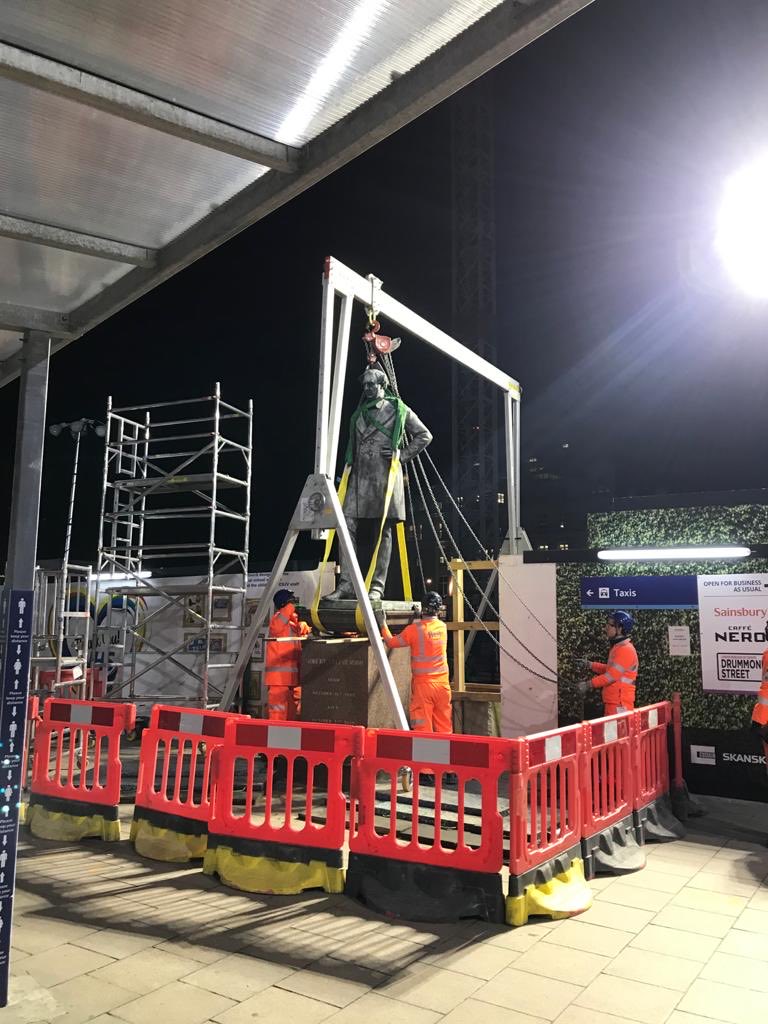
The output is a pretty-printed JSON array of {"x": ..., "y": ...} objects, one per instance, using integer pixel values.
[{"x": 340, "y": 683}]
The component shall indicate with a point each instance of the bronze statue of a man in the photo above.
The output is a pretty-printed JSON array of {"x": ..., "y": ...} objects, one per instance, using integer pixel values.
[{"x": 378, "y": 427}]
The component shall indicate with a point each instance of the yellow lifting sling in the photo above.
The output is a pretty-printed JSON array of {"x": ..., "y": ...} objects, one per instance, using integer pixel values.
[{"x": 394, "y": 468}]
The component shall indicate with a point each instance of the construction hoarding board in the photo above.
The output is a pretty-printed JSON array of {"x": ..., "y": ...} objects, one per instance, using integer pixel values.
[
  {"x": 728, "y": 763},
  {"x": 732, "y": 622}
]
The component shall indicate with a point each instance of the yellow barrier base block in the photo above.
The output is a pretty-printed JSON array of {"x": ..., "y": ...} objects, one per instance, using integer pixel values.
[
  {"x": 50, "y": 824},
  {"x": 562, "y": 895},
  {"x": 158, "y": 843},
  {"x": 257, "y": 873}
]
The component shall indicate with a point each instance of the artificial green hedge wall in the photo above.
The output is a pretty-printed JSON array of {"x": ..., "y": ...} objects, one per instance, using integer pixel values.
[
  {"x": 581, "y": 632},
  {"x": 713, "y": 524}
]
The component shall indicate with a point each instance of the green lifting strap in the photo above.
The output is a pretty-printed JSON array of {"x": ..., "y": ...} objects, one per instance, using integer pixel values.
[{"x": 364, "y": 409}]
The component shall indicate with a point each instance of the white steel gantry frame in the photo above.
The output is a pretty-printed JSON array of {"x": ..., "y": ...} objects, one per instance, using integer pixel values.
[
  {"x": 318, "y": 508},
  {"x": 346, "y": 285},
  {"x": 197, "y": 447}
]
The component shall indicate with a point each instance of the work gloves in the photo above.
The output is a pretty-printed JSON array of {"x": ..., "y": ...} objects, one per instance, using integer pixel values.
[
  {"x": 584, "y": 663},
  {"x": 584, "y": 686}
]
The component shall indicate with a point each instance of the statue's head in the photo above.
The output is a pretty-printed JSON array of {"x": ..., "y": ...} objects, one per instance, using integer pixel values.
[{"x": 374, "y": 381}]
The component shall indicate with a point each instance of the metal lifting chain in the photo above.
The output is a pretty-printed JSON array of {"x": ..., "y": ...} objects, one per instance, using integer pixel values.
[
  {"x": 389, "y": 367},
  {"x": 475, "y": 614},
  {"x": 483, "y": 551},
  {"x": 475, "y": 581},
  {"x": 416, "y": 539},
  {"x": 481, "y": 548}
]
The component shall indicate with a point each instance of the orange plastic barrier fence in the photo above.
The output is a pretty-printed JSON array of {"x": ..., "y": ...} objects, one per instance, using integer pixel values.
[
  {"x": 545, "y": 798},
  {"x": 75, "y": 681},
  {"x": 33, "y": 717},
  {"x": 651, "y": 752},
  {"x": 608, "y": 776},
  {"x": 434, "y": 853},
  {"x": 609, "y": 835},
  {"x": 279, "y": 814},
  {"x": 546, "y": 872},
  {"x": 76, "y": 769},
  {"x": 174, "y": 787},
  {"x": 466, "y": 828},
  {"x": 655, "y": 820}
]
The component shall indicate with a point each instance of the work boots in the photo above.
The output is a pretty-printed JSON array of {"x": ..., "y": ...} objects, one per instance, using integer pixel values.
[{"x": 344, "y": 592}]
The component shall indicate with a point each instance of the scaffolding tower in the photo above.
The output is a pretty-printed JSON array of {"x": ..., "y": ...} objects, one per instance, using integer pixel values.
[
  {"x": 61, "y": 631},
  {"x": 168, "y": 467}
]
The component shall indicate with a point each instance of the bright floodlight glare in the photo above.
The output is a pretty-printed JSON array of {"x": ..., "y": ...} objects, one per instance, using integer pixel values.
[
  {"x": 741, "y": 240},
  {"x": 670, "y": 554}
]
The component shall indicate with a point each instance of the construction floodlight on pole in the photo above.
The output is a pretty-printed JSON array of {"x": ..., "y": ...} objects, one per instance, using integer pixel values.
[{"x": 77, "y": 429}]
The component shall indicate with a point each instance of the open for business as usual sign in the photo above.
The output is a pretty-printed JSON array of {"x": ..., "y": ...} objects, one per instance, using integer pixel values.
[{"x": 732, "y": 615}]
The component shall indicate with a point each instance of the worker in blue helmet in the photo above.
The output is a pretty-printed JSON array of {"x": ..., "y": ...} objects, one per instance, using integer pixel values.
[
  {"x": 282, "y": 670},
  {"x": 615, "y": 678}
]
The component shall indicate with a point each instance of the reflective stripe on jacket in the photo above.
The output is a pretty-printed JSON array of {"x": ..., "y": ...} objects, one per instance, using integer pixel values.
[
  {"x": 284, "y": 658},
  {"x": 760, "y": 711},
  {"x": 428, "y": 641},
  {"x": 617, "y": 676}
]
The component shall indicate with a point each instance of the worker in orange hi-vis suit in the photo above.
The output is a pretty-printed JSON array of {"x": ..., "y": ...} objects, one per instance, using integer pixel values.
[
  {"x": 760, "y": 710},
  {"x": 616, "y": 677},
  {"x": 427, "y": 638},
  {"x": 282, "y": 674}
]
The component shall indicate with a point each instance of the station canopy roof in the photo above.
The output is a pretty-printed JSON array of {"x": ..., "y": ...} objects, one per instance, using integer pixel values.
[{"x": 136, "y": 136}]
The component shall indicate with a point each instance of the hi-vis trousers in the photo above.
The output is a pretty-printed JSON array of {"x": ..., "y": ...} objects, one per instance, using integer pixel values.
[
  {"x": 283, "y": 703},
  {"x": 431, "y": 704}
]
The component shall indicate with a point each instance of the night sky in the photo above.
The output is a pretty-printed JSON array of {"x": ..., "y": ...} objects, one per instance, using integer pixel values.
[{"x": 614, "y": 135}]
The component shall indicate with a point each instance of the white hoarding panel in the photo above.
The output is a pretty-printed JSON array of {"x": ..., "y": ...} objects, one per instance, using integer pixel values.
[{"x": 732, "y": 617}]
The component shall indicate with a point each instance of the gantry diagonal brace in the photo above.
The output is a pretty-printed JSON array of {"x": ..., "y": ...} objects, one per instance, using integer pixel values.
[{"x": 318, "y": 509}]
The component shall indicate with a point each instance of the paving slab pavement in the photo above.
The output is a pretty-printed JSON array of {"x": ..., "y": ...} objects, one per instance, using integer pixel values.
[{"x": 102, "y": 935}]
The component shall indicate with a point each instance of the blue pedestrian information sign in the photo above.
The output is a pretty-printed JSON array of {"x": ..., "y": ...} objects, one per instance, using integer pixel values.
[
  {"x": 639, "y": 592},
  {"x": 13, "y": 719}
]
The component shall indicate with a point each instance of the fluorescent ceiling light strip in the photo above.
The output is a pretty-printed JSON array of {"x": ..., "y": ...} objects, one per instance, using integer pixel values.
[
  {"x": 664, "y": 554},
  {"x": 331, "y": 70}
]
